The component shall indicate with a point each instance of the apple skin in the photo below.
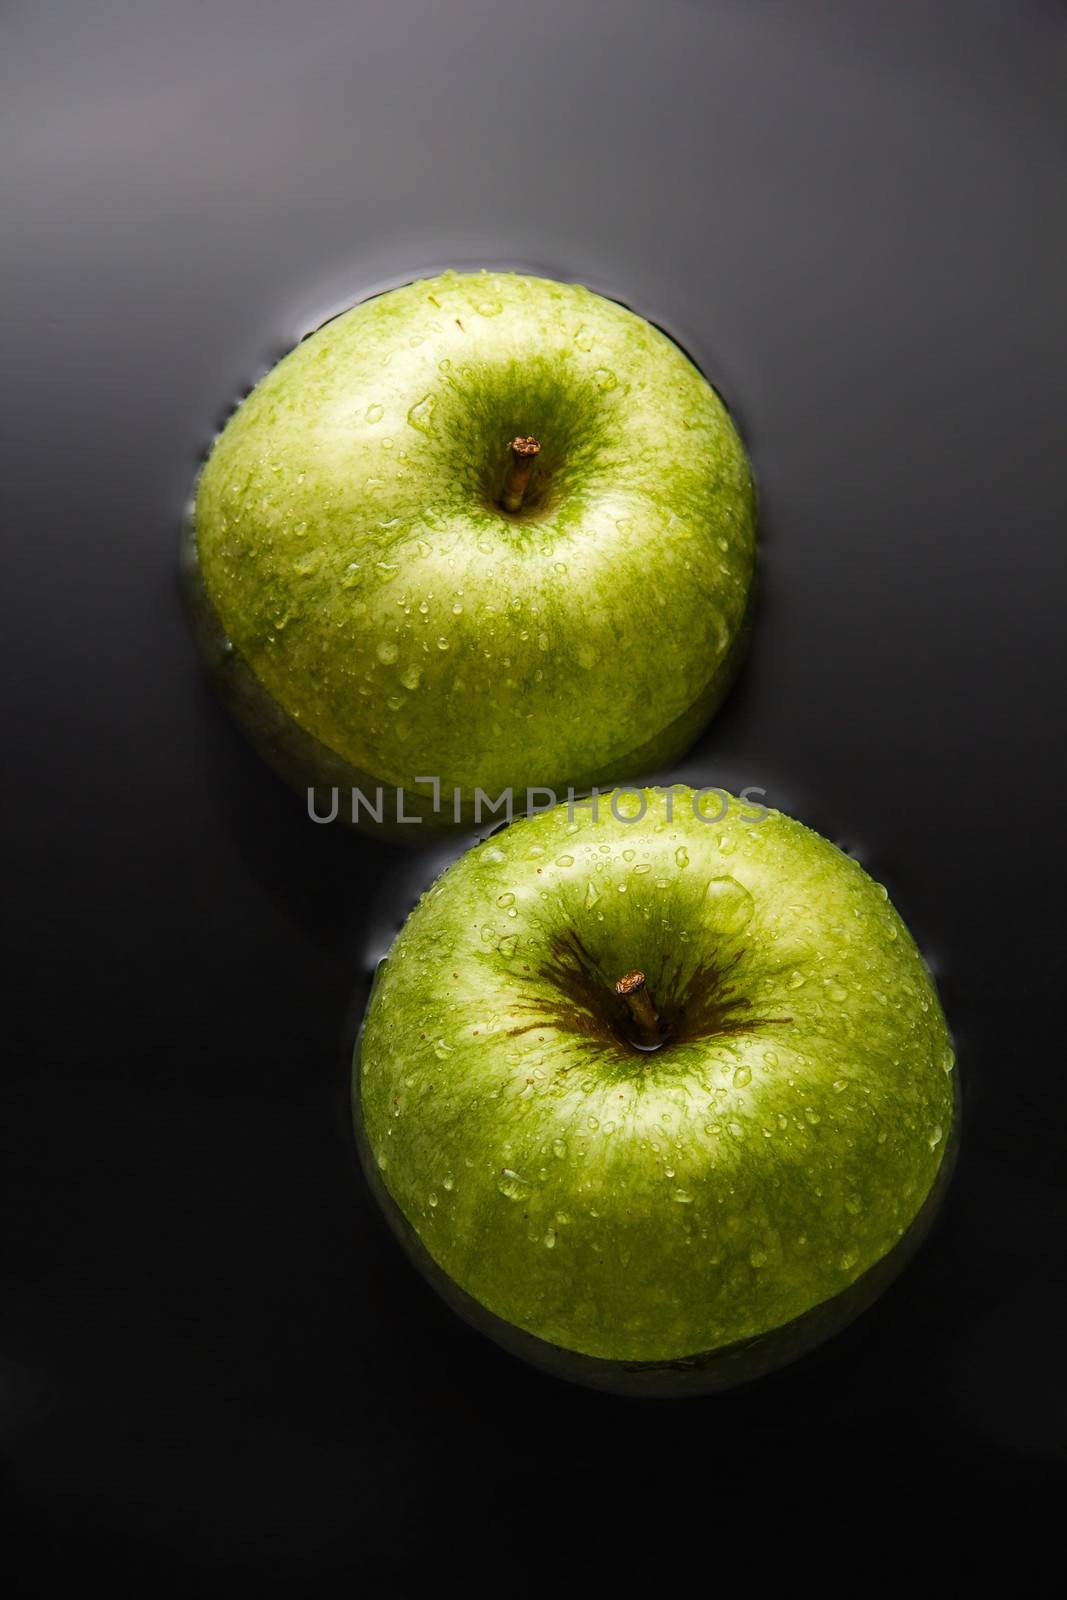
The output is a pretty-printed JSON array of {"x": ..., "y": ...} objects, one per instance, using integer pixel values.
[
  {"x": 373, "y": 615},
  {"x": 669, "y": 1221}
]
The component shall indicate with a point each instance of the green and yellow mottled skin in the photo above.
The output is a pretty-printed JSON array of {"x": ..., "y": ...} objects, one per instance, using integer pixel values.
[
  {"x": 351, "y": 543},
  {"x": 643, "y": 1207}
]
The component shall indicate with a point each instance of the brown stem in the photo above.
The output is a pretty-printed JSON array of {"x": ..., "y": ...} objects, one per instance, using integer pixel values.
[
  {"x": 524, "y": 453},
  {"x": 633, "y": 990}
]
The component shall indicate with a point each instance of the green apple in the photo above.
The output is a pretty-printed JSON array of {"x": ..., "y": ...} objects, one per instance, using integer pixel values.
[
  {"x": 659, "y": 1097},
  {"x": 486, "y": 529}
]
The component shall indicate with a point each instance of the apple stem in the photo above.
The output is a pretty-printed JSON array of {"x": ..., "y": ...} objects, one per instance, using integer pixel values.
[
  {"x": 634, "y": 991},
  {"x": 524, "y": 453}
]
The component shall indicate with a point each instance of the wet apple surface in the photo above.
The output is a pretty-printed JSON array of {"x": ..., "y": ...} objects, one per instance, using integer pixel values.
[
  {"x": 647, "y": 1085},
  {"x": 387, "y": 590}
]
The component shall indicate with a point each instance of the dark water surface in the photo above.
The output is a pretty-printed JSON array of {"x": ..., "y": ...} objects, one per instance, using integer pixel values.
[{"x": 211, "y": 1353}]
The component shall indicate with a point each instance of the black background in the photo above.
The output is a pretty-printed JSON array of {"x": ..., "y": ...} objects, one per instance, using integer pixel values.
[{"x": 214, "y": 1364}]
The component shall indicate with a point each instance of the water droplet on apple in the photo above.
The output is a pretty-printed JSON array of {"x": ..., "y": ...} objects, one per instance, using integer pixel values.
[
  {"x": 375, "y": 412},
  {"x": 592, "y": 895},
  {"x": 410, "y": 677},
  {"x": 729, "y": 904},
  {"x": 583, "y": 339},
  {"x": 796, "y": 980},
  {"x": 604, "y": 379},
  {"x": 421, "y": 414},
  {"x": 682, "y": 1197},
  {"x": 848, "y": 1260},
  {"x": 489, "y": 308},
  {"x": 742, "y": 1076},
  {"x": 387, "y": 652},
  {"x": 936, "y": 1136},
  {"x": 511, "y": 1186},
  {"x": 948, "y": 1060},
  {"x": 508, "y": 944},
  {"x": 681, "y": 855}
]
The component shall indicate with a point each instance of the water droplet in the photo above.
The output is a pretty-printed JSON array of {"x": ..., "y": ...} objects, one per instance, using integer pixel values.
[
  {"x": 550, "y": 1239},
  {"x": 512, "y": 1186},
  {"x": 441, "y": 1050},
  {"x": 489, "y": 308},
  {"x": 796, "y": 980},
  {"x": 564, "y": 861},
  {"x": 592, "y": 895},
  {"x": 742, "y": 1076},
  {"x": 410, "y": 677},
  {"x": 682, "y": 1197},
  {"x": 387, "y": 652},
  {"x": 848, "y": 1260},
  {"x": 421, "y": 414},
  {"x": 948, "y": 1059},
  {"x": 729, "y": 904},
  {"x": 375, "y": 412},
  {"x": 508, "y": 944},
  {"x": 681, "y": 855},
  {"x": 583, "y": 339},
  {"x": 936, "y": 1136},
  {"x": 505, "y": 899},
  {"x": 442, "y": 643},
  {"x": 604, "y": 379}
]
